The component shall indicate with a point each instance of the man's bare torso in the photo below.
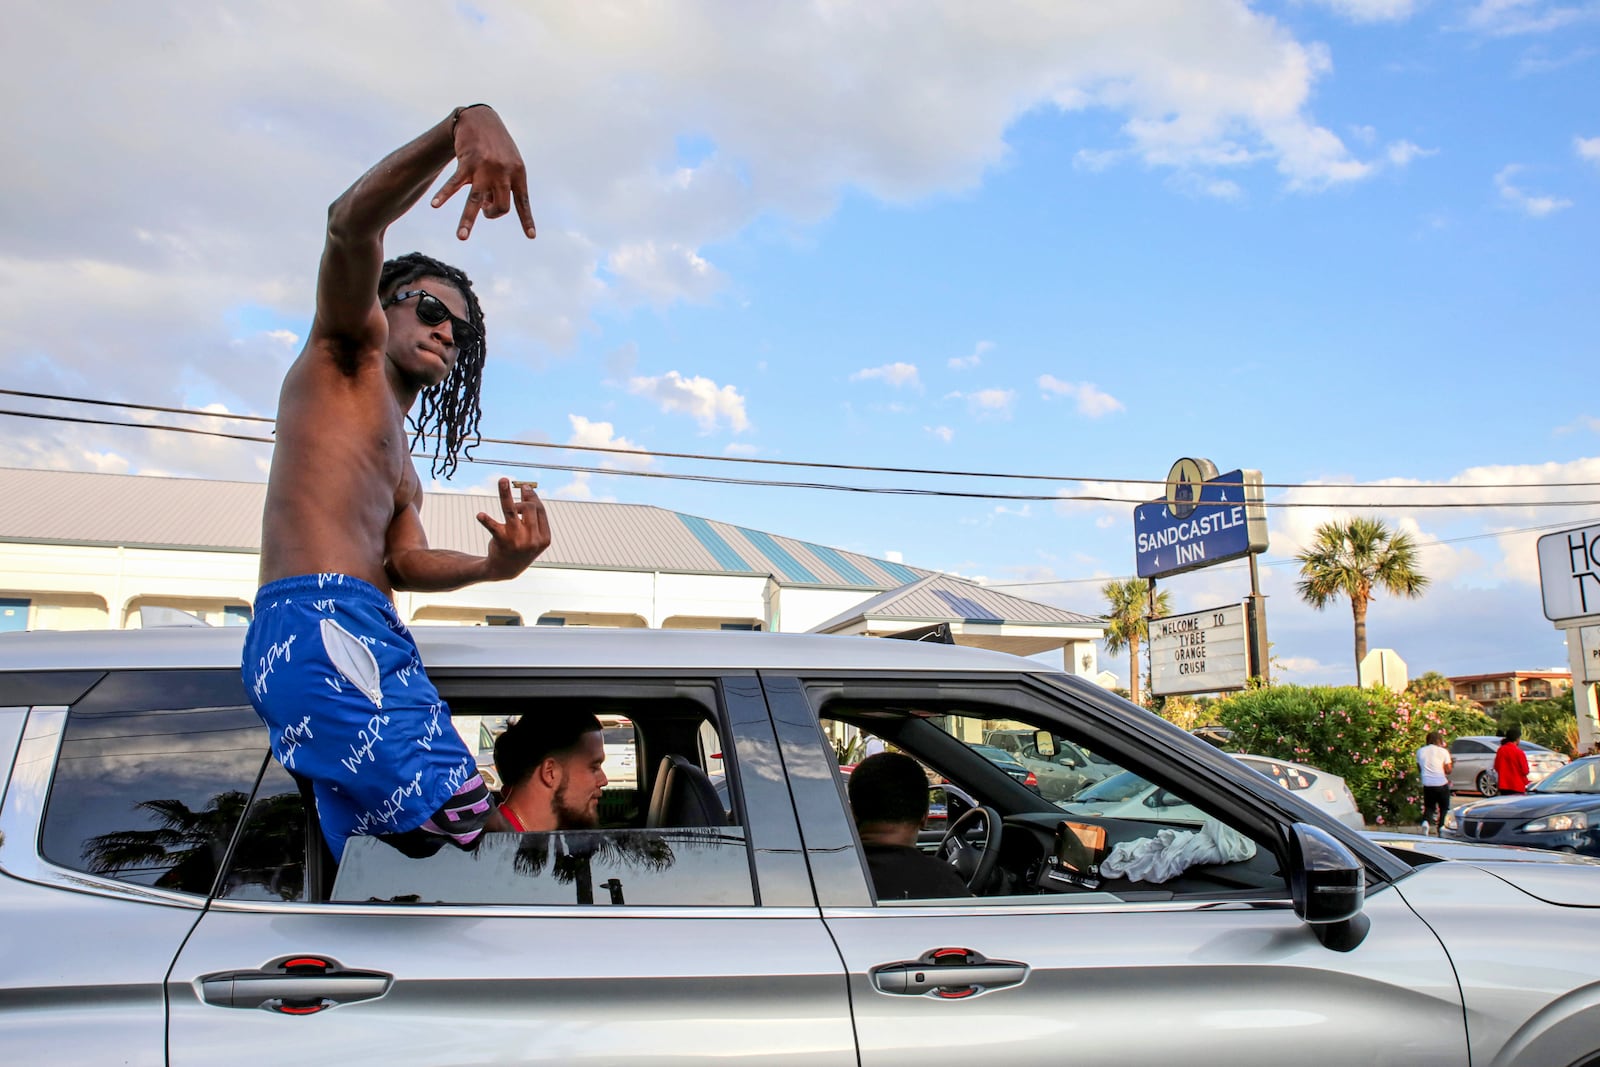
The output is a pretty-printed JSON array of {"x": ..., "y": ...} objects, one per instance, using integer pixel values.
[{"x": 341, "y": 471}]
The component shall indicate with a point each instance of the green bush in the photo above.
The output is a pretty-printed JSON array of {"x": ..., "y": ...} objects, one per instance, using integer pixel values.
[
  {"x": 1369, "y": 737},
  {"x": 1551, "y": 723}
]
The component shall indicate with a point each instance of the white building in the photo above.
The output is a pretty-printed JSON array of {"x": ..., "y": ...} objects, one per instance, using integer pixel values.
[{"x": 92, "y": 551}]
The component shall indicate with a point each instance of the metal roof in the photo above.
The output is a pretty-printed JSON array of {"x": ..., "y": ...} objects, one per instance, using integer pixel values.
[
  {"x": 78, "y": 508},
  {"x": 944, "y": 596},
  {"x": 445, "y": 648}
]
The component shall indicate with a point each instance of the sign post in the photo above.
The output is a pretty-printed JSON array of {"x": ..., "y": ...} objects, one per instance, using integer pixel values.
[
  {"x": 1207, "y": 518},
  {"x": 1569, "y": 584}
]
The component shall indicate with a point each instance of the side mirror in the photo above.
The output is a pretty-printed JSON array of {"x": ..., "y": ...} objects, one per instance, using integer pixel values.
[
  {"x": 1328, "y": 885},
  {"x": 1044, "y": 743}
]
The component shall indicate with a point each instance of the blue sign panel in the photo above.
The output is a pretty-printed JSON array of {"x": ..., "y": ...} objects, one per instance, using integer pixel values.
[{"x": 1224, "y": 520}]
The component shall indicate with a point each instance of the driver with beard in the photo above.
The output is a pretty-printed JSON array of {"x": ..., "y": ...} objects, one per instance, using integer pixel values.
[{"x": 551, "y": 769}]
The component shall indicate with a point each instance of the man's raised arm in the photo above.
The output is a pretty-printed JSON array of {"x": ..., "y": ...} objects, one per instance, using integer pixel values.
[{"x": 488, "y": 163}]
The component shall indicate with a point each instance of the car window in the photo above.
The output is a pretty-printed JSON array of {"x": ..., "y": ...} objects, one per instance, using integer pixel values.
[
  {"x": 672, "y": 834},
  {"x": 269, "y": 859},
  {"x": 1464, "y": 747},
  {"x": 155, "y": 771},
  {"x": 1117, "y": 830}
]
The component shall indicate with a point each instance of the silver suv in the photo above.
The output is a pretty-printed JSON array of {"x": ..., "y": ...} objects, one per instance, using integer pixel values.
[{"x": 165, "y": 897}]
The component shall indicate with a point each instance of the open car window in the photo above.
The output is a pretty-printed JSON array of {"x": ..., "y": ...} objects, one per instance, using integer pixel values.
[
  {"x": 670, "y": 832},
  {"x": 1079, "y": 823}
]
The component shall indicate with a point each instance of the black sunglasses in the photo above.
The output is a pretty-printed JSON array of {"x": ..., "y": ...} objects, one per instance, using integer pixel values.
[{"x": 431, "y": 311}]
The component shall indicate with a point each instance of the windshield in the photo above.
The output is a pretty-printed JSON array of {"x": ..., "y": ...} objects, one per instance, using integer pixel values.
[{"x": 1580, "y": 777}]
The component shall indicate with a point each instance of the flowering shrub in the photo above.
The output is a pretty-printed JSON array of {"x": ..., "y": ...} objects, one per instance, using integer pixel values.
[{"x": 1369, "y": 737}]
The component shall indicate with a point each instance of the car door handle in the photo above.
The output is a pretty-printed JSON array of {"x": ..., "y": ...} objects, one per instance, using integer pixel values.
[
  {"x": 294, "y": 985},
  {"x": 948, "y": 974}
]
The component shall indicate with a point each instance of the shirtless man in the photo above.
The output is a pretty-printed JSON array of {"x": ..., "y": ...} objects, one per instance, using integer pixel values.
[{"x": 327, "y": 662}]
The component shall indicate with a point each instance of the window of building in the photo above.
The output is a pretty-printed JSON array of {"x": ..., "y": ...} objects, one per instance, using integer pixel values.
[{"x": 13, "y": 614}]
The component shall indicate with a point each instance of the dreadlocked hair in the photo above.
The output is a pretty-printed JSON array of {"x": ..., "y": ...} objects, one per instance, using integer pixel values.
[{"x": 448, "y": 411}]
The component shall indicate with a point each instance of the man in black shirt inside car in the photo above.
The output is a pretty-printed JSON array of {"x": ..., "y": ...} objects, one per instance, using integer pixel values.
[{"x": 889, "y": 798}]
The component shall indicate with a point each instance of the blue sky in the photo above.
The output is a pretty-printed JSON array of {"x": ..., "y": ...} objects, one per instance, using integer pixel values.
[{"x": 1348, "y": 243}]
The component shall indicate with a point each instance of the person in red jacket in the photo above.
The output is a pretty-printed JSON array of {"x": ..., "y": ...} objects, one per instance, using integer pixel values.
[{"x": 1511, "y": 763}]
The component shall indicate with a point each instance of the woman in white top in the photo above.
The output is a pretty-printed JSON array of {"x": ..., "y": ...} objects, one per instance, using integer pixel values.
[{"x": 1433, "y": 759}]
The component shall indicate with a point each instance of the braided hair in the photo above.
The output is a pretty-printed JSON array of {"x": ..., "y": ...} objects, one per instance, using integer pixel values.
[{"x": 447, "y": 411}]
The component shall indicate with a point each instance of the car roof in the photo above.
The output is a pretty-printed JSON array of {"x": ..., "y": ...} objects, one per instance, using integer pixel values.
[{"x": 453, "y": 647}]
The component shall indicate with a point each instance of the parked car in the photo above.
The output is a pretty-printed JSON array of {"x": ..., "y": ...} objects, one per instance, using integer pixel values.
[
  {"x": 1060, "y": 775},
  {"x": 1473, "y": 763},
  {"x": 166, "y": 899},
  {"x": 1322, "y": 788},
  {"x": 620, "y": 742},
  {"x": 1561, "y": 812},
  {"x": 1126, "y": 795},
  {"x": 1008, "y": 763}
]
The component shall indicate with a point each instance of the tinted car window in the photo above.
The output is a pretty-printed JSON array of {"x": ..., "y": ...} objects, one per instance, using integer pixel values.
[
  {"x": 269, "y": 861},
  {"x": 1468, "y": 748},
  {"x": 154, "y": 772}
]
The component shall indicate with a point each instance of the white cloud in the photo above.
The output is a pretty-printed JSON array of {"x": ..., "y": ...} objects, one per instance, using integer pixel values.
[
  {"x": 943, "y": 433},
  {"x": 663, "y": 274},
  {"x": 1583, "y": 422},
  {"x": 737, "y": 448},
  {"x": 587, "y": 434},
  {"x": 1371, "y": 10},
  {"x": 1091, "y": 401},
  {"x": 895, "y": 374},
  {"x": 1401, "y": 153},
  {"x": 988, "y": 402},
  {"x": 709, "y": 404},
  {"x": 1588, "y": 149},
  {"x": 967, "y": 362},
  {"x": 113, "y": 266},
  {"x": 1507, "y": 18},
  {"x": 1535, "y": 205}
]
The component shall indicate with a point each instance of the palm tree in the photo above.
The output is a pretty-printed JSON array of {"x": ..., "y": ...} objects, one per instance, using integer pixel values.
[
  {"x": 1127, "y": 624},
  {"x": 1352, "y": 559}
]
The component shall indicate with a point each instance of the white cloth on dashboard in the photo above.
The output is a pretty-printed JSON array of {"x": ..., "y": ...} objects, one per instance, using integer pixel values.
[{"x": 1171, "y": 852}]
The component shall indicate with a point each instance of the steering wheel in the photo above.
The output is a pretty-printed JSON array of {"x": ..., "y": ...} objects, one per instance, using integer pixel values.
[{"x": 975, "y": 863}]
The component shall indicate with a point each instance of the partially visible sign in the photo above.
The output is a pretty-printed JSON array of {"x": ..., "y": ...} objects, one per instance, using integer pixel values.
[
  {"x": 1201, "y": 652},
  {"x": 1198, "y": 524},
  {"x": 1569, "y": 573},
  {"x": 1383, "y": 666},
  {"x": 1590, "y": 636}
]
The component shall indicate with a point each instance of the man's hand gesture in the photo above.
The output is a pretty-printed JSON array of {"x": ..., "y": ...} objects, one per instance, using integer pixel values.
[
  {"x": 516, "y": 542},
  {"x": 488, "y": 162}
]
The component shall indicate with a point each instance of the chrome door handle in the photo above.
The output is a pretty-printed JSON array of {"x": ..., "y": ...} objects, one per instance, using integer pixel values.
[
  {"x": 948, "y": 974},
  {"x": 294, "y": 985}
]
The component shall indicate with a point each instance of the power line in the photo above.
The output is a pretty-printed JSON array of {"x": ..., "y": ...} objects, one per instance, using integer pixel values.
[
  {"x": 1282, "y": 562},
  {"x": 817, "y": 465},
  {"x": 1088, "y": 498}
]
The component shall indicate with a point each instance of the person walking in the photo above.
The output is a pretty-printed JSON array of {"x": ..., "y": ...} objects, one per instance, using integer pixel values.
[
  {"x": 1511, "y": 763},
  {"x": 1433, "y": 760}
]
